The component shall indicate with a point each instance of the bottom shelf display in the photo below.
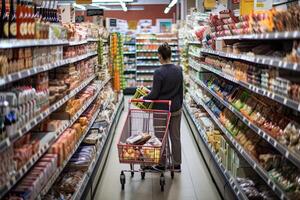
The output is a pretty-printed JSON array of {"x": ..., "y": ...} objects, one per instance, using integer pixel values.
[
  {"x": 74, "y": 179},
  {"x": 236, "y": 172},
  {"x": 76, "y": 148}
]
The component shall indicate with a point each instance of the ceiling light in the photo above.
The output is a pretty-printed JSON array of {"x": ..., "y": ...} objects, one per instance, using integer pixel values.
[
  {"x": 167, "y": 9},
  {"x": 173, "y": 2},
  {"x": 123, "y": 6},
  {"x": 81, "y": 7}
]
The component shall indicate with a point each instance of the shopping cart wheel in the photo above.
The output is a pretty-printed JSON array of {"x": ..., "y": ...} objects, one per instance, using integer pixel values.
[
  {"x": 132, "y": 172},
  {"x": 162, "y": 182},
  {"x": 122, "y": 180},
  {"x": 143, "y": 175},
  {"x": 172, "y": 174}
]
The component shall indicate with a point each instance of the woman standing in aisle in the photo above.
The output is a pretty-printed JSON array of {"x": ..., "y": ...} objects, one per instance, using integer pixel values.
[{"x": 168, "y": 85}]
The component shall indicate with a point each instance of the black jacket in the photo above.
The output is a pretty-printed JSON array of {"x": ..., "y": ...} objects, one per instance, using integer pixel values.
[{"x": 167, "y": 85}]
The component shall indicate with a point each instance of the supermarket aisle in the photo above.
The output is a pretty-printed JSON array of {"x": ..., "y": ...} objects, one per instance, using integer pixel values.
[{"x": 193, "y": 183}]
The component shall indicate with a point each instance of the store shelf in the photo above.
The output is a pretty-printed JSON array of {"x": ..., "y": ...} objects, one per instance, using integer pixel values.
[
  {"x": 50, "y": 140},
  {"x": 101, "y": 147},
  {"x": 14, "y": 43},
  {"x": 145, "y": 38},
  {"x": 154, "y": 58},
  {"x": 129, "y": 53},
  {"x": 226, "y": 174},
  {"x": 276, "y": 97},
  {"x": 72, "y": 121},
  {"x": 254, "y": 164},
  {"x": 146, "y": 50},
  {"x": 129, "y": 43},
  {"x": 193, "y": 54},
  {"x": 264, "y": 36},
  {"x": 263, "y": 60},
  {"x": 151, "y": 51},
  {"x": 145, "y": 71},
  {"x": 93, "y": 39},
  {"x": 75, "y": 43},
  {"x": 293, "y": 157},
  {"x": 40, "y": 117},
  {"x": 154, "y": 65},
  {"x": 195, "y": 43},
  {"x": 156, "y": 43},
  {"x": 130, "y": 70},
  {"x": 35, "y": 70},
  {"x": 144, "y": 79}
]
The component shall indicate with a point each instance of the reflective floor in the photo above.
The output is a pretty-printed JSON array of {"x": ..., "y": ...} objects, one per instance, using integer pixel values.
[{"x": 193, "y": 183}]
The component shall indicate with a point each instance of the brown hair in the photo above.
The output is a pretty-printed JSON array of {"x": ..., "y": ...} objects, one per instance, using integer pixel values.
[{"x": 165, "y": 51}]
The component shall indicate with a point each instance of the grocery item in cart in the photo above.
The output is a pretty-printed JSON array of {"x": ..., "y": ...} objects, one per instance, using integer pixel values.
[{"x": 138, "y": 139}]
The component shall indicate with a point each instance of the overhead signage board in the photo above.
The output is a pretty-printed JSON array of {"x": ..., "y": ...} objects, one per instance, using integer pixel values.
[{"x": 94, "y": 12}]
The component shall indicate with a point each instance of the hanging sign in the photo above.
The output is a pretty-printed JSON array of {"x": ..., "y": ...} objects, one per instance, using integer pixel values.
[
  {"x": 260, "y": 5},
  {"x": 94, "y": 12},
  {"x": 246, "y": 7},
  {"x": 83, "y": 1},
  {"x": 113, "y": 22}
]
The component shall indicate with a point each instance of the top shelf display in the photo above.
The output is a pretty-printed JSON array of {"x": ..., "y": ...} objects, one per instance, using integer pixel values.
[
  {"x": 264, "y": 36},
  {"x": 14, "y": 43}
]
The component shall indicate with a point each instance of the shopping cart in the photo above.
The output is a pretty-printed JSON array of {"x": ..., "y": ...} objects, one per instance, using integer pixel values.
[{"x": 149, "y": 122}]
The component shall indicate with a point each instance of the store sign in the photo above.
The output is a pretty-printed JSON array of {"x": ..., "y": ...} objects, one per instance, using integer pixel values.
[
  {"x": 246, "y": 7},
  {"x": 83, "y": 1},
  {"x": 209, "y": 4},
  {"x": 260, "y": 5},
  {"x": 94, "y": 12},
  {"x": 113, "y": 22}
]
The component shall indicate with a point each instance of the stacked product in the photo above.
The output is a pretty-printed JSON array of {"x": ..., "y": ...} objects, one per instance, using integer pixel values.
[
  {"x": 129, "y": 49},
  {"x": 47, "y": 83},
  {"x": 233, "y": 106},
  {"x": 147, "y": 59},
  {"x": 117, "y": 65},
  {"x": 83, "y": 160},
  {"x": 227, "y": 158}
]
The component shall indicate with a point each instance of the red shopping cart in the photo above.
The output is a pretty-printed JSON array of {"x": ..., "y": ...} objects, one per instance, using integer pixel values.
[{"x": 145, "y": 125}]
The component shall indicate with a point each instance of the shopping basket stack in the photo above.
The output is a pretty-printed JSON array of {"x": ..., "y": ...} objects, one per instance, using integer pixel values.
[
  {"x": 140, "y": 92},
  {"x": 144, "y": 139}
]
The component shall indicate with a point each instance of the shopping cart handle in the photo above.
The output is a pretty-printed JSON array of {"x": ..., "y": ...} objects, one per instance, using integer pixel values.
[{"x": 149, "y": 101}]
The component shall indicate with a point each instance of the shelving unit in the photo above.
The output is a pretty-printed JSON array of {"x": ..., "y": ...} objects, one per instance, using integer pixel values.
[
  {"x": 94, "y": 172},
  {"x": 264, "y": 36},
  {"x": 263, "y": 60},
  {"x": 130, "y": 64},
  {"x": 32, "y": 126},
  {"x": 38, "y": 69},
  {"x": 15, "y": 178},
  {"x": 229, "y": 69},
  {"x": 36, "y": 120},
  {"x": 276, "y": 97},
  {"x": 204, "y": 146},
  {"x": 253, "y": 163}
]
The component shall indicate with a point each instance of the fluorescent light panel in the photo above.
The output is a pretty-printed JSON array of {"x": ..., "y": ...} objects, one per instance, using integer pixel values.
[{"x": 172, "y": 3}]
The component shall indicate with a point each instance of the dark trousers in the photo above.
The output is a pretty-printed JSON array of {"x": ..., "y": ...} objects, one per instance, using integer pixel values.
[{"x": 174, "y": 133}]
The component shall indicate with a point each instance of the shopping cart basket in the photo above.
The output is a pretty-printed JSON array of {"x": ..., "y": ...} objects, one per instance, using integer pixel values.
[{"x": 147, "y": 122}]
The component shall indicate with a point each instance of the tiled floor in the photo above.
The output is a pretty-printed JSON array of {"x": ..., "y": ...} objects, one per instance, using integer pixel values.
[{"x": 193, "y": 183}]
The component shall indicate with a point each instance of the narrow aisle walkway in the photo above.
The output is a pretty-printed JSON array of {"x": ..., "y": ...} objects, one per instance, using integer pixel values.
[{"x": 193, "y": 183}]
